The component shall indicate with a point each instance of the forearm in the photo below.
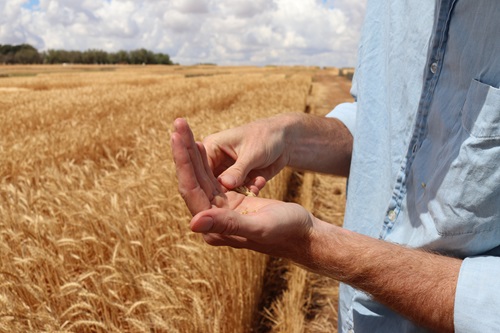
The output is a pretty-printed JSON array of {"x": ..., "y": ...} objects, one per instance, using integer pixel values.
[
  {"x": 417, "y": 284},
  {"x": 318, "y": 144}
]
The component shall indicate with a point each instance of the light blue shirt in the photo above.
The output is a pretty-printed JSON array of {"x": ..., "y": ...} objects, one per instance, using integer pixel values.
[{"x": 425, "y": 170}]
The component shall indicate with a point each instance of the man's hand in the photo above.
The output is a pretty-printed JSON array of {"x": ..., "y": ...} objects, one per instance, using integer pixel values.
[
  {"x": 267, "y": 226},
  {"x": 250, "y": 154},
  {"x": 232, "y": 219},
  {"x": 197, "y": 185},
  {"x": 254, "y": 153}
]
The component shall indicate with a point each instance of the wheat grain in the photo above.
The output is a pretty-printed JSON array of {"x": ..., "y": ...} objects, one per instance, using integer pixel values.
[{"x": 244, "y": 190}]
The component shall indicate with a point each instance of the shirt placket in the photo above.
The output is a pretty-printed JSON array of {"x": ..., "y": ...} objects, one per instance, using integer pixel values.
[{"x": 431, "y": 76}]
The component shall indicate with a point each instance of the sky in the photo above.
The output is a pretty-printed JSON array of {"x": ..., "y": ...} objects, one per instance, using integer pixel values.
[{"x": 225, "y": 32}]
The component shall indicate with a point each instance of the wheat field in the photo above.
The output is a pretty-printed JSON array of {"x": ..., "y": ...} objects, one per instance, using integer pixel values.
[{"x": 93, "y": 234}]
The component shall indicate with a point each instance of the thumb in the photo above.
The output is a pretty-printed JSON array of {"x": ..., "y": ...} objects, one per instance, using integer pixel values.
[
  {"x": 224, "y": 222},
  {"x": 235, "y": 175}
]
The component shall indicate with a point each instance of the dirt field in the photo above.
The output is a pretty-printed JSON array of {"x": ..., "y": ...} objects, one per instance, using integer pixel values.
[{"x": 93, "y": 234}]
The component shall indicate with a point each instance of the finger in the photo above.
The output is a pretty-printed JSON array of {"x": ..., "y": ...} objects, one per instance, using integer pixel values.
[
  {"x": 253, "y": 185},
  {"x": 203, "y": 176},
  {"x": 222, "y": 240},
  {"x": 230, "y": 168},
  {"x": 189, "y": 188},
  {"x": 182, "y": 127},
  {"x": 226, "y": 222},
  {"x": 232, "y": 241},
  {"x": 215, "y": 191},
  {"x": 249, "y": 169},
  {"x": 218, "y": 159},
  {"x": 236, "y": 174},
  {"x": 241, "y": 243},
  {"x": 208, "y": 170},
  {"x": 269, "y": 171},
  {"x": 256, "y": 183}
]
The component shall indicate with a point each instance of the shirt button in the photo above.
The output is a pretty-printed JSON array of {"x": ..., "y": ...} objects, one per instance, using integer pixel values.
[
  {"x": 434, "y": 67},
  {"x": 414, "y": 148},
  {"x": 391, "y": 215}
]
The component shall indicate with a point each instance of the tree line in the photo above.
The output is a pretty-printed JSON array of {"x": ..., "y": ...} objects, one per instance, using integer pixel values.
[{"x": 27, "y": 54}]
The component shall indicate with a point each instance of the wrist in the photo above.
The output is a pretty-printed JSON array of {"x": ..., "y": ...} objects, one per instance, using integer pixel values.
[
  {"x": 330, "y": 252},
  {"x": 307, "y": 138},
  {"x": 288, "y": 127},
  {"x": 293, "y": 130}
]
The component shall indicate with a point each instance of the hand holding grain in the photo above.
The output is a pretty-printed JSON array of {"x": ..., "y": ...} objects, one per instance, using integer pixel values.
[
  {"x": 197, "y": 184},
  {"x": 248, "y": 155},
  {"x": 229, "y": 218}
]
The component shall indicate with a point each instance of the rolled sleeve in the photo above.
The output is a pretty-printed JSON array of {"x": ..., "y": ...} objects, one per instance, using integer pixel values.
[
  {"x": 477, "y": 299},
  {"x": 346, "y": 113}
]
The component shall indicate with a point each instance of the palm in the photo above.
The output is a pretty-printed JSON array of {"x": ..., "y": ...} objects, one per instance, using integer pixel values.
[{"x": 265, "y": 225}]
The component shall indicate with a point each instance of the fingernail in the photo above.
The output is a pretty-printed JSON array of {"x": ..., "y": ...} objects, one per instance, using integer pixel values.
[
  {"x": 228, "y": 181},
  {"x": 204, "y": 224}
]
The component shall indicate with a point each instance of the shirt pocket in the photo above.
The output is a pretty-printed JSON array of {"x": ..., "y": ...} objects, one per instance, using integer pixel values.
[
  {"x": 468, "y": 199},
  {"x": 481, "y": 111}
]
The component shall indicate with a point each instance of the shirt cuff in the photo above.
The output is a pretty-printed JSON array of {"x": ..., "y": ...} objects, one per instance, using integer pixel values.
[
  {"x": 477, "y": 299},
  {"x": 346, "y": 113}
]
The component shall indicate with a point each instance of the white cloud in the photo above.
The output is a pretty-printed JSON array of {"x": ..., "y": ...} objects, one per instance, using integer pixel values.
[
  {"x": 259, "y": 32},
  {"x": 191, "y": 6},
  {"x": 246, "y": 9}
]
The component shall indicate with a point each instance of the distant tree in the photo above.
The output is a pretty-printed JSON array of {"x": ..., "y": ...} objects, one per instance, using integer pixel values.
[
  {"x": 7, "y": 53},
  {"x": 27, "y": 54},
  {"x": 163, "y": 59},
  {"x": 142, "y": 56},
  {"x": 19, "y": 54},
  {"x": 6, "y": 49},
  {"x": 75, "y": 57},
  {"x": 62, "y": 56},
  {"x": 54, "y": 57},
  {"x": 94, "y": 56},
  {"x": 120, "y": 57}
]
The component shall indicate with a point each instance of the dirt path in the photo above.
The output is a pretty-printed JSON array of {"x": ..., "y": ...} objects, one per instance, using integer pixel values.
[{"x": 329, "y": 89}]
